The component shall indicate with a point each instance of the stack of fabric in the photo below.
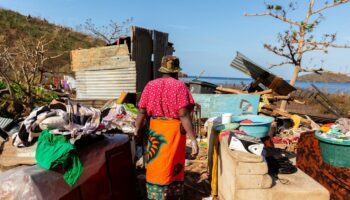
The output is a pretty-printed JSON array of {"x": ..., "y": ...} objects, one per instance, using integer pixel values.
[{"x": 339, "y": 131}]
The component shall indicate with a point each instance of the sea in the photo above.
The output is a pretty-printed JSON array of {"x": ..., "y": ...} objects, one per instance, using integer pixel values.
[{"x": 328, "y": 87}]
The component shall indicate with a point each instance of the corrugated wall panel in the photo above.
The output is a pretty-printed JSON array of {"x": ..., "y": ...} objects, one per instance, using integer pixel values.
[{"x": 105, "y": 84}]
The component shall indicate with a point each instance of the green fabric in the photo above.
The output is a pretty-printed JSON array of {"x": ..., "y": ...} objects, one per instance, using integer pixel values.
[
  {"x": 130, "y": 107},
  {"x": 226, "y": 127},
  {"x": 55, "y": 150}
]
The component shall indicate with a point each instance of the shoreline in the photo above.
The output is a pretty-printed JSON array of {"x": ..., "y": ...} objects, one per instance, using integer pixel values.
[
  {"x": 250, "y": 79},
  {"x": 327, "y": 87}
]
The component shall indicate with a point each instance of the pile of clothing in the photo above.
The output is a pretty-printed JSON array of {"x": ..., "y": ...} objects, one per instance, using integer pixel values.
[
  {"x": 57, "y": 126},
  {"x": 75, "y": 121},
  {"x": 339, "y": 131},
  {"x": 119, "y": 116},
  {"x": 61, "y": 118}
]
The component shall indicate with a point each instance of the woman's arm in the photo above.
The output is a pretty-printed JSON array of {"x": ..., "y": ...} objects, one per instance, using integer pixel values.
[
  {"x": 139, "y": 123},
  {"x": 186, "y": 121}
]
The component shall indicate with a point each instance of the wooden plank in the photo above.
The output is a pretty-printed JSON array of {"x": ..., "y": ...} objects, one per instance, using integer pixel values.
[
  {"x": 230, "y": 90},
  {"x": 142, "y": 49},
  {"x": 160, "y": 42},
  {"x": 116, "y": 62},
  {"x": 12, "y": 156},
  {"x": 269, "y": 91},
  {"x": 283, "y": 113},
  {"x": 85, "y": 58},
  {"x": 277, "y": 98}
]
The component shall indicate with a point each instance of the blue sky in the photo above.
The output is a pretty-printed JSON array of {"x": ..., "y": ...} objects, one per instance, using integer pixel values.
[{"x": 206, "y": 33}]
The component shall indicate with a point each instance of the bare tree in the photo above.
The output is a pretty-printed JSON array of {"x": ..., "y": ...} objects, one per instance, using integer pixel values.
[
  {"x": 109, "y": 33},
  {"x": 299, "y": 39},
  {"x": 20, "y": 67}
]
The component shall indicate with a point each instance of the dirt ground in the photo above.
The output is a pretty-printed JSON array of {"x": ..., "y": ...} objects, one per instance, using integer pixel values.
[{"x": 197, "y": 184}]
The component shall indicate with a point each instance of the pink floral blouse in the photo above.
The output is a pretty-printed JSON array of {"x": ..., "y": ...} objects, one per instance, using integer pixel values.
[{"x": 164, "y": 97}]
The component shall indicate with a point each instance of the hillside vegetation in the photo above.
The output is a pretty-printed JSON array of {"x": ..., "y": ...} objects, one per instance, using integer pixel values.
[
  {"x": 30, "y": 47},
  {"x": 326, "y": 77},
  {"x": 14, "y": 26}
]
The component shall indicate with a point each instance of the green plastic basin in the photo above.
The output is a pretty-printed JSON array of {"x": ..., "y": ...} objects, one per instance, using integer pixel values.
[{"x": 335, "y": 153}]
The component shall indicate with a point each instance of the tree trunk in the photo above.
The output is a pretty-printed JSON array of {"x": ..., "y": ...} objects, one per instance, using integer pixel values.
[
  {"x": 297, "y": 64},
  {"x": 292, "y": 82},
  {"x": 295, "y": 75}
]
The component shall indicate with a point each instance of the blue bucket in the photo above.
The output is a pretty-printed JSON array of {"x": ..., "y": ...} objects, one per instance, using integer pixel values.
[{"x": 259, "y": 128}]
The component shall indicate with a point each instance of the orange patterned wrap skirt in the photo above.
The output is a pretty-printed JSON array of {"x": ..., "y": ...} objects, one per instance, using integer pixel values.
[{"x": 165, "y": 159}]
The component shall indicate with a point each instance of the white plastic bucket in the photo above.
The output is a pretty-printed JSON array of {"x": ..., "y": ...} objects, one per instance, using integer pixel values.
[{"x": 226, "y": 118}]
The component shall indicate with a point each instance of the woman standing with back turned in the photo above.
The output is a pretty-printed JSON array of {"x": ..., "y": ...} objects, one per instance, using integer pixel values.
[{"x": 168, "y": 103}]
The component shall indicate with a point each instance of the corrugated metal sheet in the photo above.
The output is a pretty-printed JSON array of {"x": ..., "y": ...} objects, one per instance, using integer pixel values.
[
  {"x": 106, "y": 84},
  {"x": 248, "y": 67},
  {"x": 4, "y": 122},
  {"x": 264, "y": 76}
]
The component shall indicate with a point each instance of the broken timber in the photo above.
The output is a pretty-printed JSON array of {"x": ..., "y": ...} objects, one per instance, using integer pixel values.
[
  {"x": 270, "y": 110},
  {"x": 322, "y": 99},
  {"x": 236, "y": 91}
]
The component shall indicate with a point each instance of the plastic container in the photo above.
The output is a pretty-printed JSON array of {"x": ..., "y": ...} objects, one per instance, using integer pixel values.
[
  {"x": 335, "y": 153},
  {"x": 226, "y": 118},
  {"x": 259, "y": 128},
  {"x": 202, "y": 87}
]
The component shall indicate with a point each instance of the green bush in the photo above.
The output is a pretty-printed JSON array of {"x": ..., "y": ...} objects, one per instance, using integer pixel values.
[{"x": 40, "y": 96}]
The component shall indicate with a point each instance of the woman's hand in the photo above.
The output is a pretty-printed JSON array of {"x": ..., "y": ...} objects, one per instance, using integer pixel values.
[
  {"x": 195, "y": 148},
  {"x": 186, "y": 121}
]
